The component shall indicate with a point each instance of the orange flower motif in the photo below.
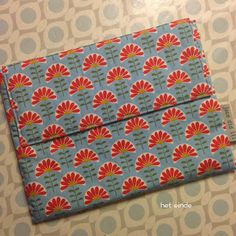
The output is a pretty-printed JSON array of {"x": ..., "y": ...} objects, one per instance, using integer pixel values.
[
  {"x": 209, "y": 106},
  {"x": 90, "y": 121},
  {"x": 145, "y": 160},
  {"x": 35, "y": 189},
  {"x": 61, "y": 143},
  {"x": 43, "y": 94},
  {"x": 109, "y": 169},
  {"x": 172, "y": 115},
  {"x": 133, "y": 184},
  {"x": 28, "y": 118},
  {"x": 84, "y": 156},
  {"x": 46, "y": 166},
  {"x": 98, "y": 133},
  {"x": 127, "y": 110},
  {"x": 80, "y": 84},
  {"x": 130, "y": 51},
  {"x": 171, "y": 175},
  {"x": 104, "y": 97},
  {"x": 167, "y": 41},
  {"x": 153, "y": 63},
  {"x": 10, "y": 116},
  {"x": 25, "y": 152},
  {"x": 13, "y": 104},
  {"x": 93, "y": 61},
  {"x": 95, "y": 194},
  {"x": 144, "y": 32},
  {"x": 183, "y": 151},
  {"x": 57, "y": 71},
  {"x": 117, "y": 73},
  {"x": 107, "y": 42},
  {"x": 71, "y": 179},
  {"x": 53, "y": 131},
  {"x": 206, "y": 71},
  {"x": 196, "y": 128},
  {"x": 136, "y": 123},
  {"x": 18, "y": 81},
  {"x": 219, "y": 142},
  {"x": 4, "y": 70},
  {"x": 57, "y": 205},
  {"x": 70, "y": 52},
  {"x": 159, "y": 137},
  {"x": 196, "y": 35},
  {"x": 175, "y": 23},
  {"x": 141, "y": 87},
  {"x": 201, "y": 90},
  {"x": 23, "y": 142},
  {"x": 189, "y": 54},
  {"x": 65, "y": 108},
  {"x": 122, "y": 146},
  {"x": 164, "y": 100},
  {"x": 27, "y": 63},
  {"x": 177, "y": 77},
  {"x": 207, "y": 166}
]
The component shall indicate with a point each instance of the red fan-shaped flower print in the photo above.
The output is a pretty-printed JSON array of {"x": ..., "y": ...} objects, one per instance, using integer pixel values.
[
  {"x": 29, "y": 118},
  {"x": 175, "y": 23},
  {"x": 127, "y": 110},
  {"x": 164, "y": 100},
  {"x": 201, "y": 90},
  {"x": 19, "y": 81},
  {"x": 47, "y": 165},
  {"x": 56, "y": 71},
  {"x": 104, "y": 97},
  {"x": 66, "y": 107},
  {"x": 206, "y": 70},
  {"x": 95, "y": 194},
  {"x": 53, "y": 131},
  {"x": 109, "y": 169},
  {"x": 13, "y": 104},
  {"x": 177, "y": 77},
  {"x": 170, "y": 175},
  {"x": 98, "y": 133},
  {"x": 61, "y": 143},
  {"x": 80, "y": 83},
  {"x": 141, "y": 87},
  {"x": 117, "y": 73},
  {"x": 183, "y": 151},
  {"x": 29, "y": 62},
  {"x": 196, "y": 128},
  {"x": 23, "y": 142},
  {"x": 133, "y": 184},
  {"x": 85, "y": 155},
  {"x": 166, "y": 41},
  {"x": 25, "y": 152},
  {"x": 209, "y": 106},
  {"x": 159, "y": 137},
  {"x": 153, "y": 63},
  {"x": 70, "y": 52},
  {"x": 171, "y": 115},
  {"x": 196, "y": 35},
  {"x": 189, "y": 54},
  {"x": 122, "y": 146},
  {"x": 56, "y": 205},
  {"x": 35, "y": 189},
  {"x": 71, "y": 179},
  {"x": 93, "y": 61},
  {"x": 207, "y": 166},
  {"x": 90, "y": 121},
  {"x": 107, "y": 42},
  {"x": 43, "y": 94},
  {"x": 219, "y": 142},
  {"x": 145, "y": 160},
  {"x": 10, "y": 116},
  {"x": 144, "y": 32},
  {"x": 4, "y": 70},
  {"x": 130, "y": 51},
  {"x": 136, "y": 123}
]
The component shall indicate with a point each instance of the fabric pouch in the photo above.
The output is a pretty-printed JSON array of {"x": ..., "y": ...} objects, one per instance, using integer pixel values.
[{"x": 115, "y": 119}]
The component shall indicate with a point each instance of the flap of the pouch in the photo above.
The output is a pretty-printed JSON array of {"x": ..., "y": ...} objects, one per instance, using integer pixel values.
[{"x": 103, "y": 83}]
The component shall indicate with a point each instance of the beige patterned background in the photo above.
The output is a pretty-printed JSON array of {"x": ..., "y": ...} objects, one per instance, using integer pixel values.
[{"x": 37, "y": 28}]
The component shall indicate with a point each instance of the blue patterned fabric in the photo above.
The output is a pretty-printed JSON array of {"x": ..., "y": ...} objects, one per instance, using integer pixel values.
[{"x": 114, "y": 119}]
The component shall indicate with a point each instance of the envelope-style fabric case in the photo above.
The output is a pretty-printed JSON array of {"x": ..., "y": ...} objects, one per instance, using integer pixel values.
[{"x": 114, "y": 119}]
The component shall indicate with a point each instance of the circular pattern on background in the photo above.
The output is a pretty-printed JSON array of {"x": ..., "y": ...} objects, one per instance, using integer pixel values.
[
  {"x": 18, "y": 201},
  {"x": 22, "y": 226},
  {"x": 223, "y": 230},
  {"x": 3, "y": 178},
  {"x": 137, "y": 24},
  {"x": 194, "y": 7},
  {"x": 3, "y": 209},
  {"x": 165, "y": 227},
  {"x": 55, "y": 8},
  {"x": 6, "y": 26},
  {"x": 82, "y": 229}
]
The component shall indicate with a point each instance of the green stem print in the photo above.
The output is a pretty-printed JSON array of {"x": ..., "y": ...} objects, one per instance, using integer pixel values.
[
  {"x": 46, "y": 109},
  {"x": 121, "y": 88},
  {"x": 111, "y": 52},
  {"x": 70, "y": 123},
  {"x": 22, "y": 96},
  {"x": 113, "y": 184},
  {"x": 158, "y": 78},
  {"x": 36, "y": 72},
  {"x": 144, "y": 102},
  {"x": 60, "y": 85},
  {"x": 26, "y": 166},
  {"x": 74, "y": 62},
  {"x": 51, "y": 181},
  {"x": 171, "y": 55},
  {"x": 163, "y": 152},
  {"x": 134, "y": 65},
  {"x": 126, "y": 162},
  {"x": 84, "y": 99},
  {"x": 117, "y": 128},
  {"x": 75, "y": 194},
  {"x": 37, "y": 206},
  {"x": 139, "y": 139},
  {"x": 181, "y": 92},
  {"x": 65, "y": 157},
  {"x": 185, "y": 32},
  {"x": 32, "y": 133},
  {"x": 103, "y": 148},
  {"x": 107, "y": 112},
  {"x": 176, "y": 129},
  {"x": 196, "y": 68},
  {"x": 200, "y": 143},
  {"x": 214, "y": 120},
  {"x": 154, "y": 119},
  {"x": 188, "y": 166},
  {"x": 98, "y": 76},
  {"x": 151, "y": 175},
  {"x": 147, "y": 42},
  {"x": 226, "y": 157},
  {"x": 89, "y": 171}
]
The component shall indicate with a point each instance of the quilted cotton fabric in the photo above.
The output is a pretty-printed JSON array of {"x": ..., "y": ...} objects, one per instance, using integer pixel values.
[{"x": 115, "y": 119}]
